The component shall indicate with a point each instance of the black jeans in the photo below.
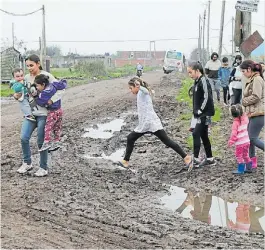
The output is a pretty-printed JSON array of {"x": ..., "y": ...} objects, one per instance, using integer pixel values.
[
  {"x": 226, "y": 94},
  {"x": 161, "y": 134},
  {"x": 201, "y": 132},
  {"x": 237, "y": 96}
]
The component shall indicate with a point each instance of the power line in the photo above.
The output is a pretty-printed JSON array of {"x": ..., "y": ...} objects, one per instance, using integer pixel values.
[
  {"x": 25, "y": 14},
  {"x": 116, "y": 41}
]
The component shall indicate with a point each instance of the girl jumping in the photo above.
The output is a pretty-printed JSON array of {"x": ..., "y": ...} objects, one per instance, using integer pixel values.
[{"x": 148, "y": 123}]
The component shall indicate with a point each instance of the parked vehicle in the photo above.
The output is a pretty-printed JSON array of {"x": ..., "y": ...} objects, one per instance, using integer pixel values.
[{"x": 174, "y": 61}]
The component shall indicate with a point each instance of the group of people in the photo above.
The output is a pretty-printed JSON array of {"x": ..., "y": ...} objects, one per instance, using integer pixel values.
[{"x": 39, "y": 94}]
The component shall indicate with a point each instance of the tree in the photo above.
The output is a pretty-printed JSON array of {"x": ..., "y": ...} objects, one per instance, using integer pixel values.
[
  {"x": 195, "y": 55},
  {"x": 53, "y": 51},
  {"x": 7, "y": 43}
]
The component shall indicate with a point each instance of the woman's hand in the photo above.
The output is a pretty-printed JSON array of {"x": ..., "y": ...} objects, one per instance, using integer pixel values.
[{"x": 17, "y": 95}]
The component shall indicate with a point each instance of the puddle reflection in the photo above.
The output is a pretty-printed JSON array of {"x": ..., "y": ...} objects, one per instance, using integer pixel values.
[
  {"x": 104, "y": 130},
  {"x": 215, "y": 211}
]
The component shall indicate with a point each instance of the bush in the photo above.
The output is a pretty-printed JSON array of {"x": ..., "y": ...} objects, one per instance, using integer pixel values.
[{"x": 94, "y": 69}]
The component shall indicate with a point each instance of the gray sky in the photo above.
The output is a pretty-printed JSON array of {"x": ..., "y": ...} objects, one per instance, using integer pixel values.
[{"x": 120, "y": 20}]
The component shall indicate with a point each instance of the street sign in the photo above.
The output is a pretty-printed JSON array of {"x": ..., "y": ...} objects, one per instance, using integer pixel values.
[
  {"x": 251, "y": 43},
  {"x": 247, "y": 5}
]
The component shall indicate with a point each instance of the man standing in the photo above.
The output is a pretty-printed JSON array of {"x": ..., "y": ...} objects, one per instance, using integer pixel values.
[{"x": 211, "y": 70}]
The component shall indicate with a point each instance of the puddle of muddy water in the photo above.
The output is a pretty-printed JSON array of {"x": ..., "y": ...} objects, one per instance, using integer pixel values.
[
  {"x": 104, "y": 130},
  {"x": 215, "y": 211},
  {"x": 115, "y": 157}
]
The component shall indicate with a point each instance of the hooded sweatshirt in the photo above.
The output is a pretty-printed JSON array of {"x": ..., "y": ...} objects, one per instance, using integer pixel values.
[{"x": 239, "y": 134}]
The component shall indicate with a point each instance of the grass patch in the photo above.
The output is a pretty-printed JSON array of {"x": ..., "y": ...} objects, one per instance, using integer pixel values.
[
  {"x": 183, "y": 95},
  {"x": 6, "y": 91}
]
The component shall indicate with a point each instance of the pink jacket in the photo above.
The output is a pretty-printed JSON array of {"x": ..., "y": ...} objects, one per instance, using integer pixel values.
[{"x": 239, "y": 135}]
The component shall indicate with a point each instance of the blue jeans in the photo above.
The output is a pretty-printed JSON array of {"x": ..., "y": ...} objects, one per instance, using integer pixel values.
[
  {"x": 255, "y": 125},
  {"x": 24, "y": 106},
  {"x": 26, "y": 131}
]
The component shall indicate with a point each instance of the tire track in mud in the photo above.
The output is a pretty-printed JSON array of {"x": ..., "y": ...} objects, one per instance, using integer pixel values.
[{"x": 86, "y": 204}]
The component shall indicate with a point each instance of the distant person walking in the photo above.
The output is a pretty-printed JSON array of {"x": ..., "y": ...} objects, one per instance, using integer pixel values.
[
  {"x": 211, "y": 70},
  {"x": 235, "y": 86},
  {"x": 224, "y": 75}
]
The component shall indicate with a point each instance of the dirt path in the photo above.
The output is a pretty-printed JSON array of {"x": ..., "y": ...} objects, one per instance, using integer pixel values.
[{"x": 90, "y": 203}]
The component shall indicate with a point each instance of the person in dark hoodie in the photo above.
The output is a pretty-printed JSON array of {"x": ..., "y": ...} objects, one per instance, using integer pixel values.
[
  {"x": 211, "y": 70},
  {"x": 54, "y": 118},
  {"x": 203, "y": 110}
]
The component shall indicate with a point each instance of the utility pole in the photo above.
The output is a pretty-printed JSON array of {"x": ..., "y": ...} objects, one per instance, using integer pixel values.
[
  {"x": 13, "y": 35},
  {"x": 203, "y": 37},
  {"x": 208, "y": 29},
  {"x": 41, "y": 50},
  {"x": 221, "y": 29},
  {"x": 199, "y": 40},
  {"x": 246, "y": 28},
  {"x": 43, "y": 38},
  {"x": 233, "y": 36}
]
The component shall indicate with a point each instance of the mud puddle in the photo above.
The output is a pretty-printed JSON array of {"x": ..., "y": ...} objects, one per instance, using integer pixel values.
[
  {"x": 104, "y": 130},
  {"x": 115, "y": 157},
  {"x": 215, "y": 211}
]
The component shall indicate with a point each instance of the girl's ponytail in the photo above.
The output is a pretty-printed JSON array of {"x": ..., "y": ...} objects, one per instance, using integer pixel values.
[{"x": 143, "y": 83}]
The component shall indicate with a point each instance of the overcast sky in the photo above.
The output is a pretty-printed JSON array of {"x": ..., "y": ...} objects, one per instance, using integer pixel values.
[{"x": 120, "y": 20}]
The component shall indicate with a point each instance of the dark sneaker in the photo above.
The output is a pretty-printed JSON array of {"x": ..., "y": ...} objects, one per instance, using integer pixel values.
[
  {"x": 207, "y": 162},
  {"x": 30, "y": 118},
  {"x": 196, "y": 163}
]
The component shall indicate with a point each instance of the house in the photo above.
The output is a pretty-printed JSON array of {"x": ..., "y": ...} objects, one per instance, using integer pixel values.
[
  {"x": 73, "y": 59},
  {"x": 146, "y": 58},
  {"x": 10, "y": 59}
]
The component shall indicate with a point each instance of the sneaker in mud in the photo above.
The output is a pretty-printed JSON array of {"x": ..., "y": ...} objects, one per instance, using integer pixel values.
[
  {"x": 196, "y": 163},
  {"x": 30, "y": 118},
  {"x": 55, "y": 146},
  {"x": 208, "y": 162},
  {"x": 45, "y": 146}
]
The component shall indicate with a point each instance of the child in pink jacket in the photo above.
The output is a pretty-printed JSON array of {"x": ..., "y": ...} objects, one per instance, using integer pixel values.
[{"x": 240, "y": 138}]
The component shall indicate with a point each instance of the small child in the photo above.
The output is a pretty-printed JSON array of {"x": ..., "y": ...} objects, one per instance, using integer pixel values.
[
  {"x": 240, "y": 138},
  {"x": 19, "y": 87},
  {"x": 54, "y": 118},
  {"x": 224, "y": 75}
]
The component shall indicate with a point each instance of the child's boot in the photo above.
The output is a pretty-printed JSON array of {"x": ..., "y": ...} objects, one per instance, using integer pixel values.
[
  {"x": 248, "y": 167},
  {"x": 254, "y": 163},
  {"x": 240, "y": 168}
]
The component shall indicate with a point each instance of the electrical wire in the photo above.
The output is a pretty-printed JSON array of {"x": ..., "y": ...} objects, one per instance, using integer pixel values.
[
  {"x": 25, "y": 14},
  {"x": 116, "y": 41}
]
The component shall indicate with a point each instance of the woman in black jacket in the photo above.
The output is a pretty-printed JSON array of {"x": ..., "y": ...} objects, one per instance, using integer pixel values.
[{"x": 203, "y": 109}]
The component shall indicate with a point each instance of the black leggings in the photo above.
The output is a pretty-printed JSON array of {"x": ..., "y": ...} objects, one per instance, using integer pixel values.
[
  {"x": 161, "y": 134},
  {"x": 226, "y": 94},
  {"x": 201, "y": 132},
  {"x": 237, "y": 96}
]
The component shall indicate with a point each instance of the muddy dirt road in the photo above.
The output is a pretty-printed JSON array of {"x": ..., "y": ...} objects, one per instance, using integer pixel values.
[{"x": 89, "y": 202}]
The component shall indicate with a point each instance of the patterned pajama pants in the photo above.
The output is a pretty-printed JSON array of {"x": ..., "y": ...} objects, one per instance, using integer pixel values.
[
  {"x": 53, "y": 125},
  {"x": 242, "y": 153}
]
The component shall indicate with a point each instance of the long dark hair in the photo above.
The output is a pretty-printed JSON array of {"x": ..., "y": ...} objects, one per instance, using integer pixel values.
[
  {"x": 42, "y": 80},
  {"x": 238, "y": 57},
  {"x": 255, "y": 67},
  {"x": 196, "y": 66},
  {"x": 34, "y": 58},
  {"x": 214, "y": 54}
]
